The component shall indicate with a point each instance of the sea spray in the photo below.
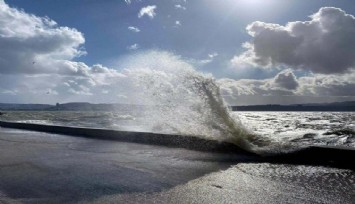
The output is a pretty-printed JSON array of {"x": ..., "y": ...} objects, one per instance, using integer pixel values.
[{"x": 182, "y": 100}]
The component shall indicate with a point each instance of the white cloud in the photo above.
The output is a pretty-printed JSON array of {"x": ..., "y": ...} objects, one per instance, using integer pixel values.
[
  {"x": 285, "y": 85},
  {"x": 37, "y": 59},
  {"x": 30, "y": 44},
  {"x": 128, "y": 1},
  {"x": 148, "y": 11},
  {"x": 250, "y": 87},
  {"x": 210, "y": 58},
  {"x": 325, "y": 44},
  {"x": 179, "y": 6},
  {"x": 177, "y": 23},
  {"x": 213, "y": 55},
  {"x": 133, "y": 47},
  {"x": 327, "y": 85},
  {"x": 134, "y": 29}
]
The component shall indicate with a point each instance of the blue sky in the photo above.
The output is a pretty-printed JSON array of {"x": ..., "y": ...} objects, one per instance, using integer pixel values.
[
  {"x": 207, "y": 34},
  {"x": 207, "y": 26}
]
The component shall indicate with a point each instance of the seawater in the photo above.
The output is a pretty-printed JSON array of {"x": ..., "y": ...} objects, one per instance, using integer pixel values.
[
  {"x": 284, "y": 130},
  {"x": 302, "y": 129}
]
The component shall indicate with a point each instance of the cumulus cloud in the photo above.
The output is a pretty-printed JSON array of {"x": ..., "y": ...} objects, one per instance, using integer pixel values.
[
  {"x": 37, "y": 59},
  {"x": 28, "y": 42},
  {"x": 285, "y": 85},
  {"x": 324, "y": 44},
  {"x": 245, "y": 87},
  {"x": 134, "y": 29},
  {"x": 327, "y": 85},
  {"x": 148, "y": 11},
  {"x": 285, "y": 79}
]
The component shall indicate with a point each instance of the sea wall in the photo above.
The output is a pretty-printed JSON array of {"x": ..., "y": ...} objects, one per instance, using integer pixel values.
[{"x": 179, "y": 141}]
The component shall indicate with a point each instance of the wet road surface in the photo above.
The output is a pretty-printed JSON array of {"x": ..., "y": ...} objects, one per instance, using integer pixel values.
[{"x": 49, "y": 168}]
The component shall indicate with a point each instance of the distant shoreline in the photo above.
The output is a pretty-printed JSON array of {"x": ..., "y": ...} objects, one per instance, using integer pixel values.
[{"x": 346, "y": 106}]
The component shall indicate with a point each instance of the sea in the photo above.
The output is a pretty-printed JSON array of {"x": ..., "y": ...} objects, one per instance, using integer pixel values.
[{"x": 277, "y": 131}]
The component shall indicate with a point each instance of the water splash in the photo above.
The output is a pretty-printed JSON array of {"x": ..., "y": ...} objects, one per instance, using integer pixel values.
[{"x": 184, "y": 101}]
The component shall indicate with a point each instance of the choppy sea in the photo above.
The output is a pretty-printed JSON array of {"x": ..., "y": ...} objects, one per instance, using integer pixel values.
[{"x": 297, "y": 128}]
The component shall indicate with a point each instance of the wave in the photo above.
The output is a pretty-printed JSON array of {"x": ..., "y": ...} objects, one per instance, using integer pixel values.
[{"x": 186, "y": 102}]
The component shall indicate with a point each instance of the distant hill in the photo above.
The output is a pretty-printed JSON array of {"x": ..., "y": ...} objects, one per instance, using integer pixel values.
[
  {"x": 75, "y": 106},
  {"x": 336, "y": 106},
  {"x": 344, "y": 103},
  {"x": 11, "y": 106}
]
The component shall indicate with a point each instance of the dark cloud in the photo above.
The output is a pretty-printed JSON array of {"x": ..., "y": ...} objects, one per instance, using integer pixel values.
[
  {"x": 325, "y": 44},
  {"x": 286, "y": 79}
]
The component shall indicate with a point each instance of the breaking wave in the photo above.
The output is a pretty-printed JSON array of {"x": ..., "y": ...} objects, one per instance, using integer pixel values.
[{"x": 185, "y": 101}]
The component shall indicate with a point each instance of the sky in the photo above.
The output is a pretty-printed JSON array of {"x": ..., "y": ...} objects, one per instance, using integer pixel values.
[{"x": 258, "y": 51}]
